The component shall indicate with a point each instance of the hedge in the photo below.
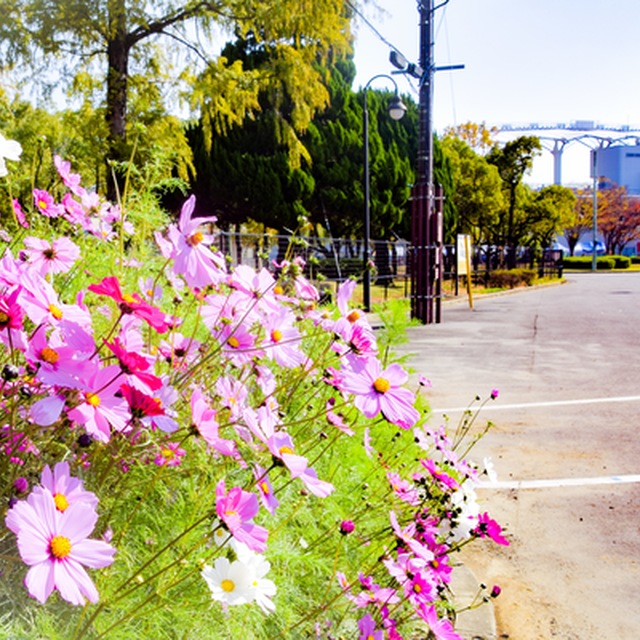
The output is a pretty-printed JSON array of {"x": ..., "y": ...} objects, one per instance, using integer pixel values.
[
  {"x": 603, "y": 263},
  {"x": 511, "y": 278}
]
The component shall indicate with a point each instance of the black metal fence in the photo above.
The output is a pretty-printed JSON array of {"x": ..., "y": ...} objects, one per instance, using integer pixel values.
[{"x": 334, "y": 260}]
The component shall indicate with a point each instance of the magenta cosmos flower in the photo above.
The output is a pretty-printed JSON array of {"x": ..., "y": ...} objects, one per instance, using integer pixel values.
[
  {"x": 131, "y": 303},
  {"x": 380, "y": 391},
  {"x": 56, "y": 547},
  {"x": 237, "y": 509}
]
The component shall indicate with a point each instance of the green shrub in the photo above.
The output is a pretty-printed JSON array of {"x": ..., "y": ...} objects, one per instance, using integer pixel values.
[
  {"x": 511, "y": 278},
  {"x": 603, "y": 263},
  {"x": 622, "y": 262}
]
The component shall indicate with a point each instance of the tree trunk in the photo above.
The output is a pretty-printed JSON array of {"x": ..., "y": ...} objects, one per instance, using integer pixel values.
[{"x": 117, "y": 81}]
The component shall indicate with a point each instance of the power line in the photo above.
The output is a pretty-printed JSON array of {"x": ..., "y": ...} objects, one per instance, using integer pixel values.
[{"x": 372, "y": 28}]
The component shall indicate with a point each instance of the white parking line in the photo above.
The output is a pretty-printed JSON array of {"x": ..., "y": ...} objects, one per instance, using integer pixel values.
[
  {"x": 493, "y": 406},
  {"x": 560, "y": 482}
]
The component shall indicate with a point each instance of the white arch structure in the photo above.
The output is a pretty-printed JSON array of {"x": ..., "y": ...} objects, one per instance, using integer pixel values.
[{"x": 588, "y": 133}]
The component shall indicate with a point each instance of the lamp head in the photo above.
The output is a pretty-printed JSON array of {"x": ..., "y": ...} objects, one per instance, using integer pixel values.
[{"x": 396, "y": 108}]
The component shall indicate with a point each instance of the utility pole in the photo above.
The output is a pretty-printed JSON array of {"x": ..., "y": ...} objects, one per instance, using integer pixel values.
[
  {"x": 426, "y": 217},
  {"x": 423, "y": 264}
]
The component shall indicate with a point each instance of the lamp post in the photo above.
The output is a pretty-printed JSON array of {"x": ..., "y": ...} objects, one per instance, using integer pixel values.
[{"x": 396, "y": 110}]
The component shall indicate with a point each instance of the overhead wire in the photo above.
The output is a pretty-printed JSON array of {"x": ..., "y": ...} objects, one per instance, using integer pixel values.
[{"x": 382, "y": 39}]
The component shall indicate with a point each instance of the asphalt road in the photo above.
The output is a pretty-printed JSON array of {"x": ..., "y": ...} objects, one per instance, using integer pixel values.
[{"x": 565, "y": 446}]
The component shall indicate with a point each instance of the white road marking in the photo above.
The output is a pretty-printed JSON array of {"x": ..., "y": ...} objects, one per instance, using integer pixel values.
[
  {"x": 533, "y": 405},
  {"x": 559, "y": 482}
]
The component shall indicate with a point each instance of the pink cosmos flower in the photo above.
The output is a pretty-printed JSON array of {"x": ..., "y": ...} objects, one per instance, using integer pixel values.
[
  {"x": 237, "y": 510},
  {"x": 336, "y": 419},
  {"x": 441, "y": 628},
  {"x": 101, "y": 408},
  {"x": 267, "y": 497},
  {"x": 55, "y": 360},
  {"x": 282, "y": 339},
  {"x": 51, "y": 257},
  {"x": 233, "y": 395},
  {"x": 204, "y": 420},
  {"x": 42, "y": 304},
  {"x": 192, "y": 258},
  {"x": 281, "y": 446},
  {"x": 170, "y": 455},
  {"x": 374, "y": 593},
  {"x": 403, "y": 489},
  {"x": 238, "y": 344},
  {"x": 441, "y": 476},
  {"x": 74, "y": 212},
  {"x": 65, "y": 489},
  {"x": 487, "y": 527},
  {"x": 70, "y": 180},
  {"x": 45, "y": 204},
  {"x": 179, "y": 351},
  {"x": 368, "y": 631},
  {"x": 165, "y": 397},
  {"x": 377, "y": 391},
  {"x": 55, "y": 545},
  {"x": 131, "y": 304},
  {"x": 20, "y": 215},
  {"x": 11, "y": 313}
]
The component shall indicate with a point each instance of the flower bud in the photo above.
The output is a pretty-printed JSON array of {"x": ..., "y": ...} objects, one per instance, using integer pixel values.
[{"x": 347, "y": 527}]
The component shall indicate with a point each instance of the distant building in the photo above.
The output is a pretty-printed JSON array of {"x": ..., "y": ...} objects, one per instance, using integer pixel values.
[{"x": 619, "y": 165}]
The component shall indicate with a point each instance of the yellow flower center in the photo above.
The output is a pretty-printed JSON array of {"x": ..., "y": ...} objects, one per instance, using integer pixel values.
[
  {"x": 195, "y": 239},
  {"x": 60, "y": 547},
  {"x": 265, "y": 487},
  {"x": 168, "y": 454},
  {"x": 42, "y": 204},
  {"x": 283, "y": 450},
  {"x": 381, "y": 385},
  {"x": 61, "y": 501},
  {"x": 4, "y": 318},
  {"x": 276, "y": 335},
  {"x": 129, "y": 299},
  {"x": 56, "y": 312},
  {"x": 234, "y": 343},
  {"x": 49, "y": 355},
  {"x": 278, "y": 290},
  {"x": 228, "y": 585},
  {"x": 92, "y": 398},
  {"x": 353, "y": 316},
  {"x": 417, "y": 588}
]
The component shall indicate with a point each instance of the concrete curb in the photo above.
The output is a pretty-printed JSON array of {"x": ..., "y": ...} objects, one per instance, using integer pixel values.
[{"x": 472, "y": 624}]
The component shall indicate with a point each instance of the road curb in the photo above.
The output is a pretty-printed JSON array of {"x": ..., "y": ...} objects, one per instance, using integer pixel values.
[{"x": 478, "y": 623}]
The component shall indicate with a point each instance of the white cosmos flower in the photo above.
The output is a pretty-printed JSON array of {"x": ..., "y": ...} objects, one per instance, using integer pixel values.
[
  {"x": 466, "y": 500},
  {"x": 229, "y": 582},
  {"x": 9, "y": 150},
  {"x": 258, "y": 566}
]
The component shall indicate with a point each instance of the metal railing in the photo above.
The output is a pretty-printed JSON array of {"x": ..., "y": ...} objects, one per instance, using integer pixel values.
[{"x": 334, "y": 260}]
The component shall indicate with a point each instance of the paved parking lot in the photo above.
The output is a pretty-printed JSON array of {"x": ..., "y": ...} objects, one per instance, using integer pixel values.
[{"x": 566, "y": 447}]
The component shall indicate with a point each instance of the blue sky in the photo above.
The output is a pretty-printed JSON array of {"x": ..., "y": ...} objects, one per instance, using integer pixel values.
[{"x": 526, "y": 61}]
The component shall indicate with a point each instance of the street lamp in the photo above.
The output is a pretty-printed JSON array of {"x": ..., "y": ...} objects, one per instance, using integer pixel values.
[{"x": 396, "y": 110}]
